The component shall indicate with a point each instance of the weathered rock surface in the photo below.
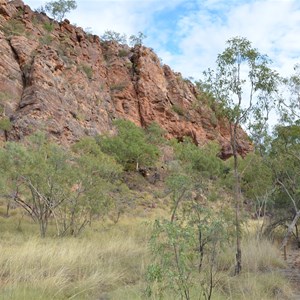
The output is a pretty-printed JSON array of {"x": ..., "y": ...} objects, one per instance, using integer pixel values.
[{"x": 56, "y": 77}]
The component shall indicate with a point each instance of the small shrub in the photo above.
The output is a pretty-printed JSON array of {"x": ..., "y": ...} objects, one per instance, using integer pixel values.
[
  {"x": 123, "y": 53},
  {"x": 13, "y": 27},
  {"x": 113, "y": 36},
  {"x": 46, "y": 39},
  {"x": 5, "y": 124},
  {"x": 137, "y": 40},
  {"x": 130, "y": 146},
  {"x": 88, "y": 71},
  {"x": 178, "y": 109},
  {"x": 118, "y": 87},
  {"x": 48, "y": 26}
]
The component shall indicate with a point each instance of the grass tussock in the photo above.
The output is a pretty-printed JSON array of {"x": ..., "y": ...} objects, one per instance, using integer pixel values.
[
  {"x": 110, "y": 262},
  {"x": 72, "y": 268},
  {"x": 260, "y": 277},
  {"x": 259, "y": 255},
  {"x": 253, "y": 286}
]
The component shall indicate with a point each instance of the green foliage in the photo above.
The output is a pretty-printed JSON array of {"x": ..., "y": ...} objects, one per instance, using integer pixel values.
[
  {"x": 257, "y": 182},
  {"x": 118, "y": 87},
  {"x": 123, "y": 53},
  {"x": 46, "y": 39},
  {"x": 35, "y": 176},
  {"x": 58, "y": 9},
  {"x": 48, "y": 26},
  {"x": 185, "y": 253},
  {"x": 289, "y": 108},
  {"x": 87, "y": 70},
  {"x": 113, "y": 36},
  {"x": 50, "y": 182},
  {"x": 5, "y": 124},
  {"x": 285, "y": 162},
  {"x": 203, "y": 160},
  {"x": 155, "y": 134},
  {"x": 241, "y": 67},
  {"x": 178, "y": 109},
  {"x": 13, "y": 27},
  {"x": 137, "y": 40},
  {"x": 130, "y": 146}
]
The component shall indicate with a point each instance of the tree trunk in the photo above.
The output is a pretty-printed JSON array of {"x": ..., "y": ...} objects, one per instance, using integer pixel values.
[
  {"x": 237, "y": 191},
  {"x": 297, "y": 236},
  {"x": 237, "y": 200},
  {"x": 43, "y": 227},
  {"x": 290, "y": 229}
]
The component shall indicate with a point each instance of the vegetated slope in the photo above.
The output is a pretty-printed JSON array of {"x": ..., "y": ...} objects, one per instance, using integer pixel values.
[{"x": 56, "y": 77}]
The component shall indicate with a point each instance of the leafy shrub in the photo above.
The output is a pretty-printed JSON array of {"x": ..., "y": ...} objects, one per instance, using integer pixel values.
[
  {"x": 178, "y": 109},
  {"x": 46, "y": 39},
  {"x": 13, "y": 27},
  {"x": 123, "y": 53},
  {"x": 118, "y": 87},
  {"x": 137, "y": 40},
  {"x": 130, "y": 146},
  {"x": 48, "y": 26},
  {"x": 203, "y": 160},
  {"x": 5, "y": 124},
  {"x": 59, "y": 8},
  {"x": 110, "y": 35},
  {"x": 88, "y": 71}
]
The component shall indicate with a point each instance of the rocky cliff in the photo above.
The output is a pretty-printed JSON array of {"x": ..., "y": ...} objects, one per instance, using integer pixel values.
[{"x": 56, "y": 77}]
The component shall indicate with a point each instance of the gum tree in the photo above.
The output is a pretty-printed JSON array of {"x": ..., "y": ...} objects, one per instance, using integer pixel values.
[
  {"x": 243, "y": 85},
  {"x": 286, "y": 147},
  {"x": 58, "y": 9}
]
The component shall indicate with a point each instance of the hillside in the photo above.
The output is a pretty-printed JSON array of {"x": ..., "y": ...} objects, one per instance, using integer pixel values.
[
  {"x": 56, "y": 77},
  {"x": 103, "y": 197}
]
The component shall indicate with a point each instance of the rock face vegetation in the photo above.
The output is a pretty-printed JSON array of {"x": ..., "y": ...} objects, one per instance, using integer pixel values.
[
  {"x": 57, "y": 77},
  {"x": 119, "y": 179}
]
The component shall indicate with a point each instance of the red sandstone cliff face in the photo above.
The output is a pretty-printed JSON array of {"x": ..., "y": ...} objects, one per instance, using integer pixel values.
[{"x": 57, "y": 78}]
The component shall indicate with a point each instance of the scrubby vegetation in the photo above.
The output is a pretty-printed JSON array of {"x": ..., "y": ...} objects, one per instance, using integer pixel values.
[
  {"x": 135, "y": 216},
  {"x": 103, "y": 237}
]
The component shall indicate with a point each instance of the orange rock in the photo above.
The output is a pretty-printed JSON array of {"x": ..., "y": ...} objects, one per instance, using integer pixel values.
[{"x": 71, "y": 84}]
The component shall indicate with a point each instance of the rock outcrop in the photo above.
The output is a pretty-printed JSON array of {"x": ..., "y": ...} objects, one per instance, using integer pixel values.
[{"x": 56, "y": 77}]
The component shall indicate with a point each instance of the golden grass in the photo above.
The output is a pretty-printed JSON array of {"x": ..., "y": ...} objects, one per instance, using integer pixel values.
[
  {"x": 260, "y": 277},
  {"x": 109, "y": 262},
  {"x": 73, "y": 268}
]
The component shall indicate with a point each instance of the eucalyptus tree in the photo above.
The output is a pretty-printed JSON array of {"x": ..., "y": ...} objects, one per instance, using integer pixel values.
[
  {"x": 36, "y": 177},
  {"x": 242, "y": 85},
  {"x": 289, "y": 106},
  {"x": 285, "y": 155},
  {"x": 186, "y": 245},
  {"x": 110, "y": 35},
  {"x": 52, "y": 183},
  {"x": 58, "y": 9}
]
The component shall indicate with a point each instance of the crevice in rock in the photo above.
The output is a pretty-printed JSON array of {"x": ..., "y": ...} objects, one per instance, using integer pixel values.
[
  {"x": 25, "y": 70},
  {"x": 16, "y": 56},
  {"x": 135, "y": 79}
]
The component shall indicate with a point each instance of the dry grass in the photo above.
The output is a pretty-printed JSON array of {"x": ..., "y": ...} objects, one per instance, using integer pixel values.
[
  {"x": 73, "y": 268},
  {"x": 260, "y": 278},
  {"x": 109, "y": 262}
]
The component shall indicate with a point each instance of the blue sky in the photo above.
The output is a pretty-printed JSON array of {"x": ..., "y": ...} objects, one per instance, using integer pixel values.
[{"x": 188, "y": 34}]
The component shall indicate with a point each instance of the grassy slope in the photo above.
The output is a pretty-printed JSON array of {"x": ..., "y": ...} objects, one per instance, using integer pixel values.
[{"x": 109, "y": 262}]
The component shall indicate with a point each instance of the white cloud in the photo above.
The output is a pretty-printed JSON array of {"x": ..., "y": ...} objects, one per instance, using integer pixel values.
[
  {"x": 191, "y": 44},
  {"x": 272, "y": 26}
]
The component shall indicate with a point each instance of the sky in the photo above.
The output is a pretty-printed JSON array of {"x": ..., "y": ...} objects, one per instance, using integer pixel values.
[{"x": 189, "y": 34}]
